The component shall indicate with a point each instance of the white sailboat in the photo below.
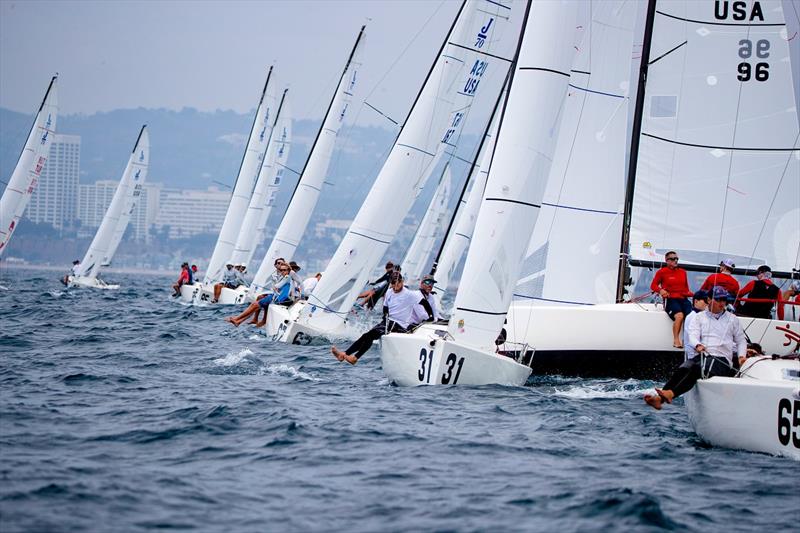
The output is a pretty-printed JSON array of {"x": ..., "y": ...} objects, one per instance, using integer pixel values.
[
  {"x": 306, "y": 194},
  {"x": 419, "y": 252},
  {"x": 34, "y": 154},
  {"x": 267, "y": 185},
  {"x": 444, "y": 100},
  {"x": 240, "y": 199},
  {"x": 713, "y": 173},
  {"x": 463, "y": 352},
  {"x": 115, "y": 221}
]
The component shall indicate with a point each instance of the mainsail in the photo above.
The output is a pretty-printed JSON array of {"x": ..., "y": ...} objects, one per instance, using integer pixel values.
[
  {"x": 573, "y": 254},
  {"x": 25, "y": 177},
  {"x": 243, "y": 188},
  {"x": 419, "y": 253},
  {"x": 306, "y": 193},
  {"x": 443, "y": 101},
  {"x": 115, "y": 221},
  {"x": 518, "y": 174},
  {"x": 264, "y": 192},
  {"x": 718, "y": 167}
]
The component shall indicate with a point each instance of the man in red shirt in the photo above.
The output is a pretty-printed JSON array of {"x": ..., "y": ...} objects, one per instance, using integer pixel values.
[
  {"x": 183, "y": 279},
  {"x": 672, "y": 284},
  {"x": 722, "y": 279}
]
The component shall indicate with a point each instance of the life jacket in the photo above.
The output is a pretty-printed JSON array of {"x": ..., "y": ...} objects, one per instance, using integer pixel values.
[{"x": 761, "y": 289}]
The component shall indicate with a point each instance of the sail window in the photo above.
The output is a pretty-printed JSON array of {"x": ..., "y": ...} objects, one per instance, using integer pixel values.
[{"x": 663, "y": 106}]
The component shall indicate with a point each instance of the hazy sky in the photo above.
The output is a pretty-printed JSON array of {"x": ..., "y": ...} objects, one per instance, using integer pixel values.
[{"x": 213, "y": 55}]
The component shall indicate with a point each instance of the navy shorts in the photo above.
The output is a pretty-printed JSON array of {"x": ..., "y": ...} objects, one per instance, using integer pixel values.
[{"x": 677, "y": 305}]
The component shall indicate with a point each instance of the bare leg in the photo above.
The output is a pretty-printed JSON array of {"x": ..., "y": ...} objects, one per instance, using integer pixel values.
[
  {"x": 252, "y": 308},
  {"x": 676, "y": 330},
  {"x": 217, "y": 290}
]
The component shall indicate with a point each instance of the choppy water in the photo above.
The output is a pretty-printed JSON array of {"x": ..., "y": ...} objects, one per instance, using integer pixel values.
[{"x": 125, "y": 411}]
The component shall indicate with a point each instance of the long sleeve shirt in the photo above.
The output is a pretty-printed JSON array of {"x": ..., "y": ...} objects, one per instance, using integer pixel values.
[
  {"x": 721, "y": 279},
  {"x": 722, "y": 335},
  {"x": 672, "y": 280}
]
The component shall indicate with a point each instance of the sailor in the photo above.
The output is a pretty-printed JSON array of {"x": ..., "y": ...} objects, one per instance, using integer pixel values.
[
  {"x": 195, "y": 273},
  {"x": 723, "y": 279},
  {"x": 371, "y": 296},
  {"x": 190, "y": 272},
  {"x": 183, "y": 279},
  {"x": 760, "y": 288},
  {"x": 426, "y": 291},
  {"x": 297, "y": 281},
  {"x": 228, "y": 280},
  {"x": 239, "y": 271},
  {"x": 398, "y": 311},
  {"x": 72, "y": 272},
  {"x": 672, "y": 284},
  {"x": 280, "y": 295},
  {"x": 717, "y": 336},
  {"x": 310, "y": 283},
  {"x": 699, "y": 304}
]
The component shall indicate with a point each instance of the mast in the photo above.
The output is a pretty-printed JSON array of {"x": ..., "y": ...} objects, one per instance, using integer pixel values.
[
  {"x": 475, "y": 162},
  {"x": 634, "y": 155}
]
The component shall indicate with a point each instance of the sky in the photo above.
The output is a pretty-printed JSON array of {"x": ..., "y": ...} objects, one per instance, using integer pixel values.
[{"x": 213, "y": 55}]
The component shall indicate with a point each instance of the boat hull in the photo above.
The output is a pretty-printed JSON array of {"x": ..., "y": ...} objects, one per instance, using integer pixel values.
[
  {"x": 617, "y": 340},
  {"x": 424, "y": 357},
  {"x": 199, "y": 292},
  {"x": 85, "y": 282},
  {"x": 749, "y": 413},
  {"x": 284, "y": 325}
]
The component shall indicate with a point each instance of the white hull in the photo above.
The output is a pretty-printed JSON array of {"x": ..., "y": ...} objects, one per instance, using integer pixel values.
[
  {"x": 758, "y": 412},
  {"x": 620, "y": 340},
  {"x": 284, "y": 325},
  {"x": 87, "y": 282},
  {"x": 425, "y": 358},
  {"x": 199, "y": 293}
]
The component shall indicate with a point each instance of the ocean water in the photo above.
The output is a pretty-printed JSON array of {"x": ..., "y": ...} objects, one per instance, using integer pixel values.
[{"x": 126, "y": 411}]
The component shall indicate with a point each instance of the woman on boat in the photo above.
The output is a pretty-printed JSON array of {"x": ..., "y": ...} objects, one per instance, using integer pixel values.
[{"x": 281, "y": 294}]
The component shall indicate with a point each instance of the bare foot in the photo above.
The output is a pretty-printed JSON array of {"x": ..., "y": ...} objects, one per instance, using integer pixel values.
[
  {"x": 666, "y": 395},
  {"x": 653, "y": 400},
  {"x": 230, "y": 319},
  {"x": 261, "y": 324},
  {"x": 337, "y": 353},
  {"x": 352, "y": 359}
]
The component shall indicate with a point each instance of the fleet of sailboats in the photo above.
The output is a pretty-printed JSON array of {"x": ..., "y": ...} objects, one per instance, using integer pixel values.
[{"x": 623, "y": 130}]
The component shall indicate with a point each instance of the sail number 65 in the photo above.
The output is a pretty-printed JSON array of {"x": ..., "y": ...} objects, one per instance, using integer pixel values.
[{"x": 789, "y": 422}]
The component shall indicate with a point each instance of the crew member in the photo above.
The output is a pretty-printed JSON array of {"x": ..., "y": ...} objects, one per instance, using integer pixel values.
[{"x": 672, "y": 284}]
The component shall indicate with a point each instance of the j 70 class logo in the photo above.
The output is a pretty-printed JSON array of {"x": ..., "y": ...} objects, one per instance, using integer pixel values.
[
  {"x": 141, "y": 156},
  {"x": 483, "y": 34},
  {"x": 791, "y": 336},
  {"x": 49, "y": 121}
]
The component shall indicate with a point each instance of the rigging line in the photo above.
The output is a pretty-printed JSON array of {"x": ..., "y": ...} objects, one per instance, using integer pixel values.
[
  {"x": 772, "y": 203},
  {"x": 730, "y": 148},
  {"x": 287, "y": 168},
  {"x": 665, "y": 54},
  {"x": 709, "y": 23},
  {"x": 601, "y": 93},
  {"x": 481, "y": 52},
  {"x": 381, "y": 113}
]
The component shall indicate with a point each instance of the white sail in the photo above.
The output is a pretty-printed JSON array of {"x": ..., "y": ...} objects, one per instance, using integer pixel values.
[
  {"x": 111, "y": 229},
  {"x": 791, "y": 15},
  {"x": 245, "y": 180},
  {"x": 266, "y": 188},
  {"x": 719, "y": 149},
  {"x": 459, "y": 238},
  {"x": 419, "y": 253},
  {"x": 304, "y": 200},
  {"x": 573, "y": 255},
  {"x": 518, "y": 175},
  {"x": 34, "y": 154},
  {"x": 442, "y": 102}
]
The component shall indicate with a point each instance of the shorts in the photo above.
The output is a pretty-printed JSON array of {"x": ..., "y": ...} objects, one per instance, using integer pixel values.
[
  {"x": 231, "y": 285},
  {"x": 677, "y": 305}
]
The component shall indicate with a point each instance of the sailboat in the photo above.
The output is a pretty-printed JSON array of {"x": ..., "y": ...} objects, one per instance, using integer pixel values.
[
  {"x": 306, "y": 193},
  {"x": 115, "y": 221},
  {"x": 421, "y": 247},
  {"x": 249, "y": 169},
  {"x": 714, "y": 161},
  {"x": 463, "y": 351},
  {"x": 34, "y": 154},
  {"x": 437, "y": 114}
]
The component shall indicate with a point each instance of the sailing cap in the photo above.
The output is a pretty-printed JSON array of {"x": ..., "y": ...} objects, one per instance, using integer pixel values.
[
  {"x": 428, "y": 278},
  {"x": 763, "y": 268},
  {"x": 295, "y": 266},
  {"x": 719, "y": 293},
  {"x": 700, "y": 295},
  {"x": 76, "y": 262},
  {"x": 728, "y": 262}
]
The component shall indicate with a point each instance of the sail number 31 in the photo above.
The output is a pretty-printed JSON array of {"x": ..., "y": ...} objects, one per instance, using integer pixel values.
[{"x": 453, "y": 366}]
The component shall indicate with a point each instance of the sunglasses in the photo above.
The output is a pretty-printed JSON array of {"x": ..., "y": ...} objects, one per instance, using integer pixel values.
[
  {"x": 672, "y": 258},
  {"x": 427, "y": 282}
]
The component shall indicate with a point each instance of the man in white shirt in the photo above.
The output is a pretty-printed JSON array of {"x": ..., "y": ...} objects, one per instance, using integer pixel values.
[
  {"x": 714, "y": 332},
  {"x": 310, "y": 283},
  {"x": 398, "y": 314},
  {"x": 426, "y": 291}
]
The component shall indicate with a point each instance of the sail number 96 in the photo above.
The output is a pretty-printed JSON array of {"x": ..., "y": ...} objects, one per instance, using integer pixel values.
[
  {"x": 789, "y": 422},
  {"x": 452, "y": 371}
]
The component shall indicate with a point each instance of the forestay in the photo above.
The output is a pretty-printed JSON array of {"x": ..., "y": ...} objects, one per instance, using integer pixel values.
[
  {"x": 443, "y": 101},
  {"x": 118, "y": 214},
  {"x": 719, "y": 151},
  {"x": 306, "y": 193},
  {"x": 243, "y": 188},
  {"x": 574, "y": 251},
  {"x": 518, "y": 174},
  {"x": 419, "y": 253},
  {"x": 34, "y": 154},
  {"x": 262, "y": 199}
]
